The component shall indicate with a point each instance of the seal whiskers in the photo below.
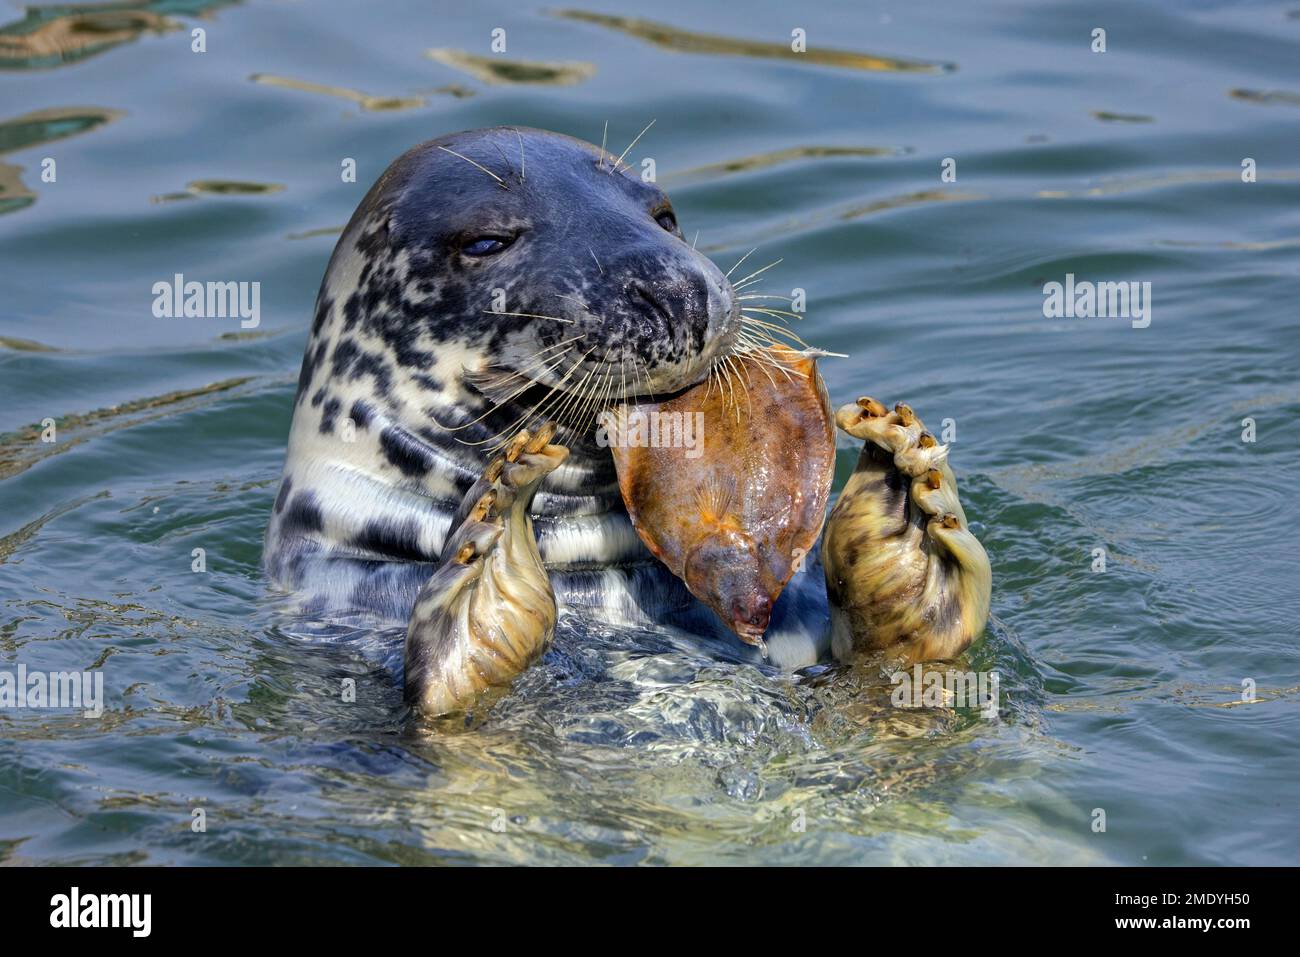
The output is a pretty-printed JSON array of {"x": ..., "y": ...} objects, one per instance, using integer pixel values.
[
  {"x": 504, "y": 436},
  {"x": 753, "y": 277},
  {"x": 635, "y": 140},
  {"x": 522, "y": 161},
  {"x": 502, "y": 183},
  {"x": 737, "y": 263},
  {"x": 527, "y": 315},
  {"x": 480, "y": 379}
]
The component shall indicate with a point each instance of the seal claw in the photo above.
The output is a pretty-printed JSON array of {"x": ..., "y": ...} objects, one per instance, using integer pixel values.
[
  {"x": 542, "y": 438},
  {"x": 483, "y": 507},
  {"x": 871, "y": 406},
  {"x": 517, "y": 445}
]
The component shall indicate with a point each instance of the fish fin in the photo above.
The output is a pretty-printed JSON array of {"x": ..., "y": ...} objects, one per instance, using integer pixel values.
[{"x": 714, "y": 498}]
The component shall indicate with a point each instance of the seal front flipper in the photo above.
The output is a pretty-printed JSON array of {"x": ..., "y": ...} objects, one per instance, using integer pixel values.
[
  {"x": 904, "y": 574},
  {"x": 488, "y": 612}
]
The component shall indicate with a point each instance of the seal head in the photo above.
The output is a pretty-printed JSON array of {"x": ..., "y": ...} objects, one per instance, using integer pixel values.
[{"x": 516, "y": 243}]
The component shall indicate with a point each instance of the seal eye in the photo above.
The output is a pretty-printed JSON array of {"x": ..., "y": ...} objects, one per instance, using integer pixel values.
[
  {"x": 667, "y": 220},
  {"x": 485, "y": 246}
]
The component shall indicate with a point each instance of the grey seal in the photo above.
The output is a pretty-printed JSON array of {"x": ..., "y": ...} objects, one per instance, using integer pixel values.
[{"x": 493, "y": 290}]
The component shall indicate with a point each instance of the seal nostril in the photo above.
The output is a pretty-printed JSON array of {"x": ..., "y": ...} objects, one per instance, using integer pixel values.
[{"x": 639, "y": 293}]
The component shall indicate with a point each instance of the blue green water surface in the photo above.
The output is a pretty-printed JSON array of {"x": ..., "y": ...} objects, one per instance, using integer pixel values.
[{"x": 1122, "y": 690}]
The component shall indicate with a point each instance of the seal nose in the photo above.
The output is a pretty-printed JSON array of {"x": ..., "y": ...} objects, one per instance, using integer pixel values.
[
  {"x": 641, "y": 295},
  {"x": 661, "y": 307}
]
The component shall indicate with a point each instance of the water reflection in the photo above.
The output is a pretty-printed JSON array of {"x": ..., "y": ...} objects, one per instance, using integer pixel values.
[
  {"x": 21, "y": 449},
  {"x": 686, "y": 41},
  {"x": 13, "y": 194},
  {"x": 1108, "y": 117},
  {"x": 24, "y": 345},
  {"x": 1141, "y": 183},
  {"x": 35, "y": 129},
  {"x": 319, "y": 231},
  {"x": 747, "y": 164},
  {"x": 46, "y": 126},
  {"x": 499, "y": 70},
  {"x": 367, "y": 102},
  {"x": 219, "y": 187},
  {"x": 54, "y": 36},
  {"x": 797, "y": 224},
  {"x": 1266, "y": 97}
]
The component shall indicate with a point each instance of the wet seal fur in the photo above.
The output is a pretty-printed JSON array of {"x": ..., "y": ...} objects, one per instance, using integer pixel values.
[{"x": 484, "y": 278}]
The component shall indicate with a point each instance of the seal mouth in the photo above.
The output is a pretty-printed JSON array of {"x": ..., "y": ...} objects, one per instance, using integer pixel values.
[
  {"x": 572, "y": 366},
  {"x": 573, "y": 382}
]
